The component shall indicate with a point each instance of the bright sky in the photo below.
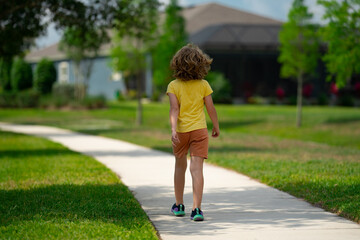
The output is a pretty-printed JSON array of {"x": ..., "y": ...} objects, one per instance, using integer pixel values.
[{"x": 276, "y": 9}]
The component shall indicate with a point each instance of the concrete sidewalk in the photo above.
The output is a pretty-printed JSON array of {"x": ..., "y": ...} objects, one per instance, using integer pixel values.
[{"x": 235, "y": 206}]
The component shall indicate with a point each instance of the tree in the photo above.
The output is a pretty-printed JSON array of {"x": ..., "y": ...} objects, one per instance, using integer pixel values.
[
  {"x": 221, "y": 87},
  {"x": 44, "y": 76},
  {"x": 81, "y": 44},
  {"x": 173, "y": 37},
  {"x": 21, "y": 75},
  {"x": 342, "y": 35},
  {"x": 132, "y": 41},
  {"x": 299, "y": 48},
  {"x": 21, "y": 21}
]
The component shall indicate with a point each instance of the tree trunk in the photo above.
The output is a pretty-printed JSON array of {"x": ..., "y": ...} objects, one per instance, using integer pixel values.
[
  {"x": 139, "y": 116},
  {"x": 299, "y": 100}
]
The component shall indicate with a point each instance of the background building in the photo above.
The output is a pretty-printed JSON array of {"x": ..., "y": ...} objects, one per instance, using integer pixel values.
[{"x": 244, "y": 47}]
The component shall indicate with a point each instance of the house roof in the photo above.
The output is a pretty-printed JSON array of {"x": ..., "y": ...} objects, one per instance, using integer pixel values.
[
  {"x": 53, "y": 53},
  {"x": 205, "y": 15},
  {"x": 208, "y": 24},
  {"x": 237, "y": 36}
]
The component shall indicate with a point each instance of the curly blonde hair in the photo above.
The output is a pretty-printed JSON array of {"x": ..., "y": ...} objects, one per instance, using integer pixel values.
[{"x": 190, "y": 63}]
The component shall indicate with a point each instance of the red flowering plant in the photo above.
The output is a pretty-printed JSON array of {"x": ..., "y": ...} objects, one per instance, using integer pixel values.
[
  {"x": 357, "y": 89},
  {"x": 280, "y": 93},
  {"x": 307, "y": 90},
  {"x": 334, "y": 89}
]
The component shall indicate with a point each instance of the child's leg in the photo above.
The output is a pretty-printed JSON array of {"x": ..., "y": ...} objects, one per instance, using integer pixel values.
[
  {"x": 179, "y": 179},
  {"x": 196, "y": 169}
]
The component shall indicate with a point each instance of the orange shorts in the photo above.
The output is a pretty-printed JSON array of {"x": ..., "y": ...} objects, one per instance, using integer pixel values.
[{"x": 197, "y": 141}]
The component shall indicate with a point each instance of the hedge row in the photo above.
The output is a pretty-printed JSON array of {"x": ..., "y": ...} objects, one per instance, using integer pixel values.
[{"x": 18, "y": 76}]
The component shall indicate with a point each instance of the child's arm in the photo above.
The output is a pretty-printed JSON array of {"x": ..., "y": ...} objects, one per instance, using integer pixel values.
[
  {"x": 174, "y": 113},
  {"x": 213, "y": 115}
]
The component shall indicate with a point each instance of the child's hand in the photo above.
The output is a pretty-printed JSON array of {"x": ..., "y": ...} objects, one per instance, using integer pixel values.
[
  {"x": 215, "y": 132},
  {"x": 174, "y": 137}
]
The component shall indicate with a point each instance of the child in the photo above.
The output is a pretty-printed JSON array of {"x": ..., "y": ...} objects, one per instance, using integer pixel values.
[{"x": 187, "y": 94}]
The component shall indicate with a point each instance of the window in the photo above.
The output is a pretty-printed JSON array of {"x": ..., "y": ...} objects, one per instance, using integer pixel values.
[
  {"x": 64, "y": 72},
  {"x": 117, "y": 76}
]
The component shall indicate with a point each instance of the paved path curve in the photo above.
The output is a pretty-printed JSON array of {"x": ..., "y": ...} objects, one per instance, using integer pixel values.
[{"x": 235, "y": 206}]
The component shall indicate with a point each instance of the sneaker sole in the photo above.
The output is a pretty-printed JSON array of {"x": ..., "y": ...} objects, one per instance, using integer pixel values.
[
  {"x": 178, "y": 213},
  {"x": 198, "y": 218}
]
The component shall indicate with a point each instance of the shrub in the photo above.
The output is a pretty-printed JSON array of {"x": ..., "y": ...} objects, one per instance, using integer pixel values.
[
  {"x": 280, "y": 93},
  {"x": 132, "y": 94},
  {"x": 23, "y": 99},
  {"x": 220, "y": 86},
  {"x": 257, "y": 100},
  {"x": 28, "y": 99},
  {"x": 7, "y": 100},
  {"x": 53, "y": 102},
  {"x": 346, "y": 100},
  {"x": 322, "y": 99},
  {"x": 21, "y": 75},
  {"x": 94, "y": 102},
  {"x": 292, "y": 100},
  {"x": 45, "y": 76},
  {"x": 5, "y": 70},
  {"x": 64, "y": 90}
]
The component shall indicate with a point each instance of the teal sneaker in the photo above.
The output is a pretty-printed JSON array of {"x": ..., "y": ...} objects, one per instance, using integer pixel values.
[
  {"x": 197, "y": 215},
  {"x": 178, "y": 210}
]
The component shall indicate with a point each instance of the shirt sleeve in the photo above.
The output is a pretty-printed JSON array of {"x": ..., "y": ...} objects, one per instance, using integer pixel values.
[
  {"x": 208, "y": 89},
  {"x": 170, "y": 88}
]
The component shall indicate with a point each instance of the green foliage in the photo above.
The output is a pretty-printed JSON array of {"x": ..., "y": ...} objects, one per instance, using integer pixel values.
[
  {"x": 21, "y": 75},
  {"x": 63, "y": 96},
  {"x": 346, "y": 100},
  {"x": 132, "y": 41},
  {"x": 45, "y": 76},
  {"x": 59, "y": 102},
  {"x": 64, "y": 90},
  {"x": 21, "y": 99},
  {"x": 221, "y": 87},
  {"x": 20, "y": 21},
  {"x": 128, "y": 58},
  {"x": 94, "y": 102},
  {"x": 299, "y": 49},
  {"x": 342, "y": 37},
  {"x": 24, "y": 20},
  {"x": 5, "y": 72},
  {"x": 173, "y": 37},
  {"x": 323, "y": 99},
  {"x": 79, "y": 43}
]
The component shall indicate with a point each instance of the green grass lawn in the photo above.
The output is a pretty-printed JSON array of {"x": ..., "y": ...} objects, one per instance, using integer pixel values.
[
  {"x": 319, "y": 162},
  {"x": 50, "y": 192}
]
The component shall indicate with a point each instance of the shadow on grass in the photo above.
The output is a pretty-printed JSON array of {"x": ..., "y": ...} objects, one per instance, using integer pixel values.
[
  {"x": 108, "y": 203},
  {"x": 343, "y": 120},
  {"x": 100, "y": 131},
  {"x": 235, "y": 124},
  {"x": 237, "y": 149},
  {"x": 35, "y": 152}
]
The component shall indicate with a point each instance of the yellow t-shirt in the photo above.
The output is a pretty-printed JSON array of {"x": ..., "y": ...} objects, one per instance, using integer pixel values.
[{"x": 190, "y": 95}]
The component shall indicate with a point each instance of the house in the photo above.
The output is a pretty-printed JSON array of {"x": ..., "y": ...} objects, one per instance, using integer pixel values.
[
  {"x": 103, "y": 81},
  {"x": 244, "y": 47}
]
